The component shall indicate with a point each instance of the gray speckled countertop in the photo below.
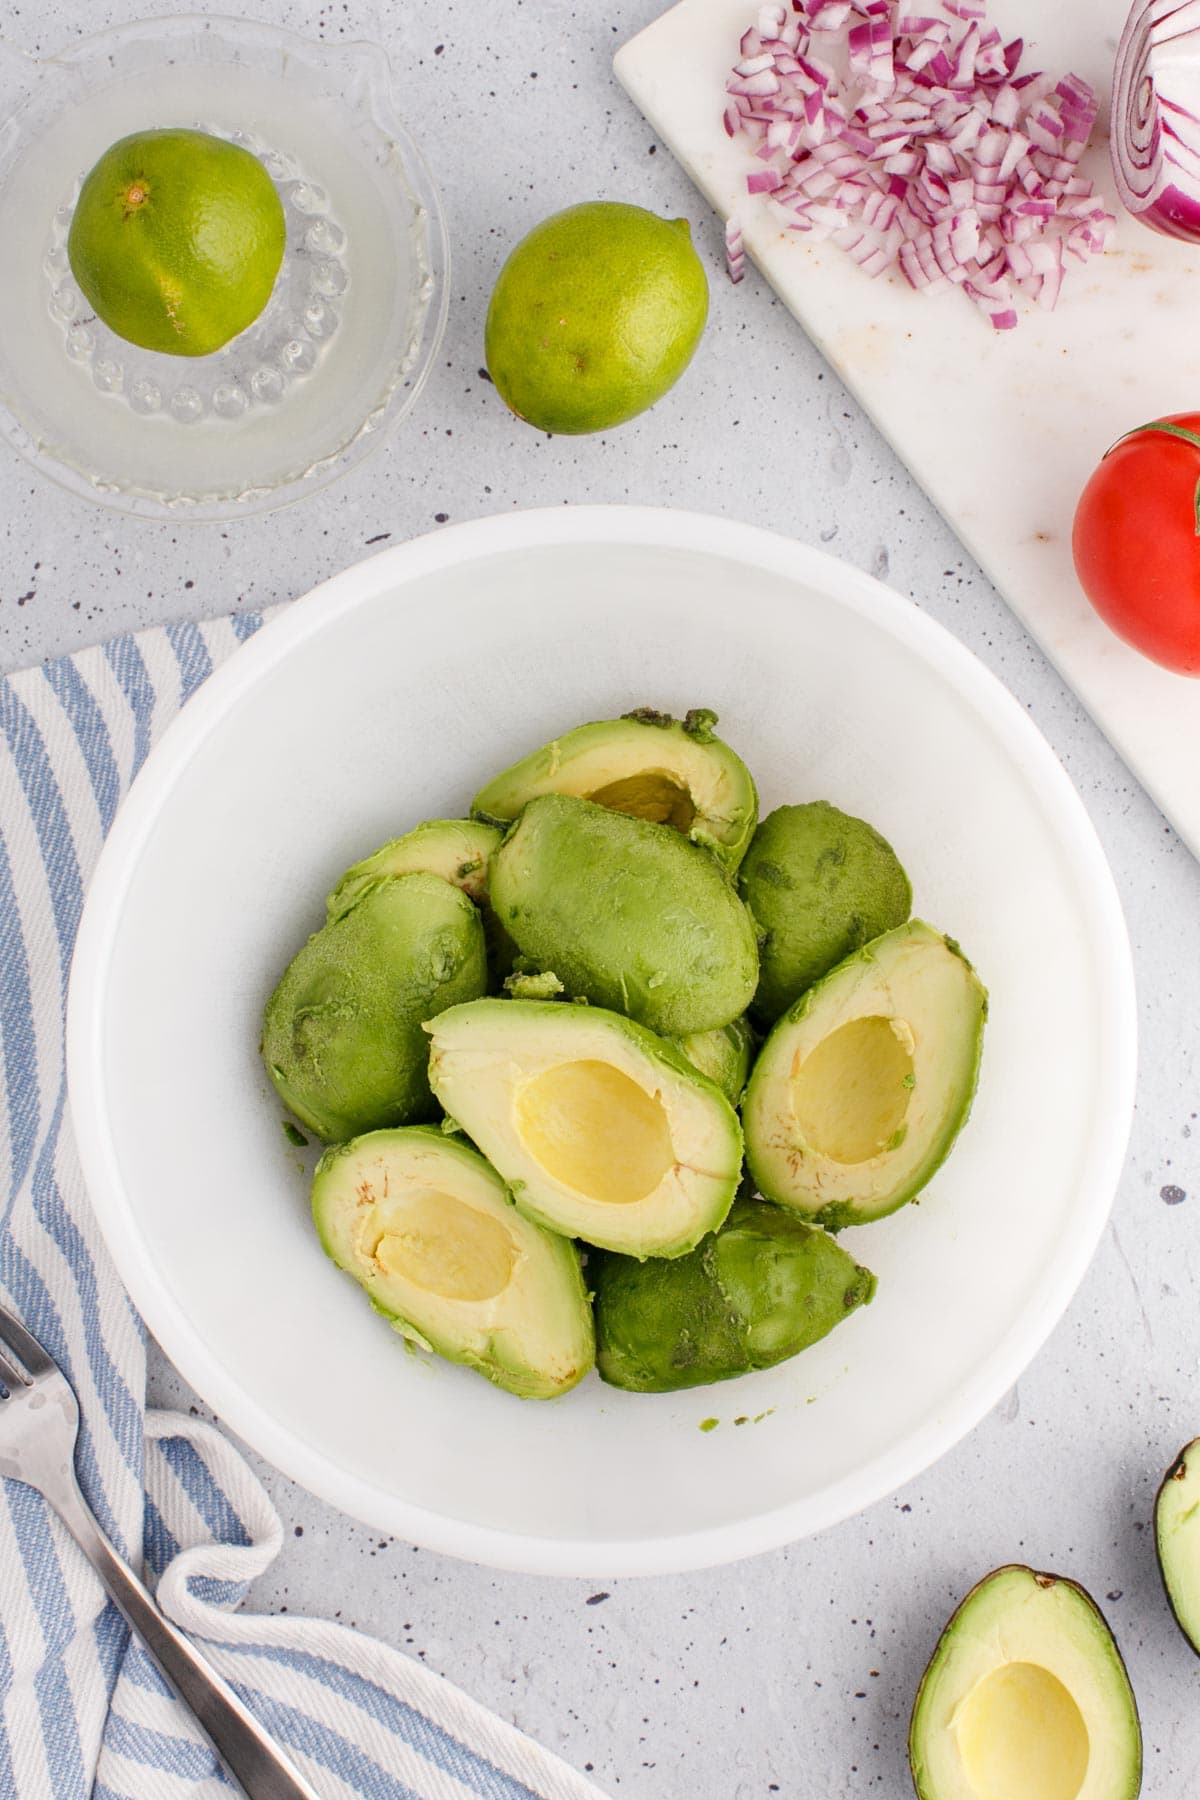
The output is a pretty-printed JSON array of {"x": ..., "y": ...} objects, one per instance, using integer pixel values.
[{"x": 793, "y": 1673}]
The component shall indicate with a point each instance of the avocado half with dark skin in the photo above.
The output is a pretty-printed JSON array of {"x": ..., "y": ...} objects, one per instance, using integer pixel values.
[
  {"x": 1177, "y": 1539},
  {"x": 627, "y": 913},
  {"x": 759, "y": 1290},
  {"x": 862, "y": 1087},
  {"x": 820, "y": 884},
  {"x": 1026, "y": 1698},
  {"x": 674, "y": 772},
  {"x": 429, "y": 1230},
  {"x": 600, "y": 1130},
  {"x": 342, "y": 1033}
]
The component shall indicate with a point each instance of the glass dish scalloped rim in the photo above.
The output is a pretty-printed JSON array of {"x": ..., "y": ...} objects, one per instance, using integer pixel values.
[{"x": 408, "y": 384}]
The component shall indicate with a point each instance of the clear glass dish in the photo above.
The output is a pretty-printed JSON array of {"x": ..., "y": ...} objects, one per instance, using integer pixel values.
[{"x": 342, "y": 349}]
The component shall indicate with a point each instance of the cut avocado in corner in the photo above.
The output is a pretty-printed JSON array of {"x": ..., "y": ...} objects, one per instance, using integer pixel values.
[
  {"x": 647, "y": 764},
  {"x": 600, "y": 1130},
  {"x": 428, "y": 1228},
  {"x": 820, "y": 884},
  {"x": 456, "y": 849},
  {"x": 342, "y": 1037},
  {"x": 1026, "y": 1698},
  {"x": 627, "y": 914},
  {"x": 724, "y": 1055},
  {"x": 1177, "y": 1538},
  {"x": 862, "y": 1087},
  {"x": 762, "y": 1288}
]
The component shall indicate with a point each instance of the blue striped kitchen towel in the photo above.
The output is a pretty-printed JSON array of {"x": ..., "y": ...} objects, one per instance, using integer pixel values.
[{"x": 82, "y": 1709}]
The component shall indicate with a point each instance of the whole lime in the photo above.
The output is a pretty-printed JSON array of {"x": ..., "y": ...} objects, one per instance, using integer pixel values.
[
  {"x": 176, "y": 240},
  {"x": 594, "y": 316}
]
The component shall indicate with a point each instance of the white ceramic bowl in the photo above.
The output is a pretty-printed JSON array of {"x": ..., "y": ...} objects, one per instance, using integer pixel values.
[{"x": 386, "y": 697}]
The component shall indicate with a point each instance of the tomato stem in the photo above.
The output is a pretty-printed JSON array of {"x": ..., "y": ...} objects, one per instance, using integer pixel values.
[{"x": 1179, "y": 431}]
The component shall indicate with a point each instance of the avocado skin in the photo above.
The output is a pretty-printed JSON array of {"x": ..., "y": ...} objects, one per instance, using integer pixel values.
[
  {"x": 759, "y": 1290},
  {"x": 820, "y": 884},
  {"x": 342, "y": 1037},
  {"x": 627, "y": 914}
]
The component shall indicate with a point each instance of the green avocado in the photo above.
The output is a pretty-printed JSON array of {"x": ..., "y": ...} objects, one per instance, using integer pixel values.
[
  {"x": 724, "y": 1055},
  {"x": 626, "y": 913},
  {"x": 1026, "y": 1698},
  {"x": 600, "y": 1130},
  {"x": 458, "y": 850},
  {"x": 342, "y": 1036},
  {"x": 762, "y": 1288},
  {"x": 647, "y": 764},
  {"x": 1177, "y": 1537},
  {"x": 429, "y": 1230},
  {"x": 862, "y": 1087},
  {"x": 820, "y": 884}
]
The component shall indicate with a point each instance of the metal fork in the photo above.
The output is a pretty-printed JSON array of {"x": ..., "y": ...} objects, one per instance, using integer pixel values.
[{"x": 39, "y": 1425}]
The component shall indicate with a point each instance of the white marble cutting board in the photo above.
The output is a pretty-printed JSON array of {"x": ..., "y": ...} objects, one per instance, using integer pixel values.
[{"x": 1001, "y": 429}]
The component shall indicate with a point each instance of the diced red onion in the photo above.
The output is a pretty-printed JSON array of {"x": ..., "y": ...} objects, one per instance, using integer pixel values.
[
  {"x": 910, "y": 140},
  {"x": 1155, "y": 130}
]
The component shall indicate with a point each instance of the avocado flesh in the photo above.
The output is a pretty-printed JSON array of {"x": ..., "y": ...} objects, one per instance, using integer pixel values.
[
  {"x": 863, "y": 1085},
  {"x": 759, "y": 1290},
  {"x": 456, "y": 849},
  {"x": 1026, "y": 1698},
  {"x": 427, "y": 1227},
  {"x": 600, "y": 1130},
  {"x": 724, "y": 1055},
  {"x": 342, "y": 1037},
  {"x": 820, "y": 884},
  {"x": 627, "y": 914},
  {"x": 1177, "y": 1539},
  {"x": 668, "y": 771}
]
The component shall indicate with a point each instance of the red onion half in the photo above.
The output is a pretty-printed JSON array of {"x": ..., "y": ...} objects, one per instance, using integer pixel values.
[
  {"x": 1156, "y": 116},
  {"x": 910, "y": 139}
]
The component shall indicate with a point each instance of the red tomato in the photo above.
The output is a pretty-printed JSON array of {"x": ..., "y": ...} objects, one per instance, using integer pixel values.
[{"x": 1137, "y": 550}]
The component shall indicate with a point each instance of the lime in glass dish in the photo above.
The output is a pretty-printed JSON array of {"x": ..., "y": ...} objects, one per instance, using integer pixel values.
[{"x": 282, "y": 377}]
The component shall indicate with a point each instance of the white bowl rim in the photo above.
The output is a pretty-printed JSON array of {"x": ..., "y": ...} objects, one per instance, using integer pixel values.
[{"x": 653, "y": 528}]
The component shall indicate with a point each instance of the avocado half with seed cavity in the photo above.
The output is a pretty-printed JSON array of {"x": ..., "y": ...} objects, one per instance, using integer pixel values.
[
  {"x": 599, "y": 1129},
  {"x": 647, "y": 764},
  {"x": 627, "y": 914},
  {"x": 1177, "y": 1539},
  {"x": 862, "y": 1087},
  {"x": 342, "y": 1037},
  {"x": 1026, "y": 1698},
  {"x": 427, "y": 1227},
  {"x": 761, "y": 1289}
]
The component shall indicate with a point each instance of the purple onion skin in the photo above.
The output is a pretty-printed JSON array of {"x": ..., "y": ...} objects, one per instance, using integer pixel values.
[{"x": 1174, "y": 213}]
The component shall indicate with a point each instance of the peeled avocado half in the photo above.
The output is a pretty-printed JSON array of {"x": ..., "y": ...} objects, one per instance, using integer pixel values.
[
  {"x": 456, "y": 849},
  {"x": 627, "y": 914},
  {"x": 820, "y": 885},
  {"x": 762, "y": 1288},
  {"x": 647, "y": 764},
  {"x": 1026, "y": 1698},
  {"x": 864, "y": 1084},
  {"x": 723, "y": 1055},
  {"x": 1177, "y": 1538},
  {"x": 342, "y": 1036},
  {"x": 600, "y": 1130},
  {"x": 429, "y": 1230}
]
